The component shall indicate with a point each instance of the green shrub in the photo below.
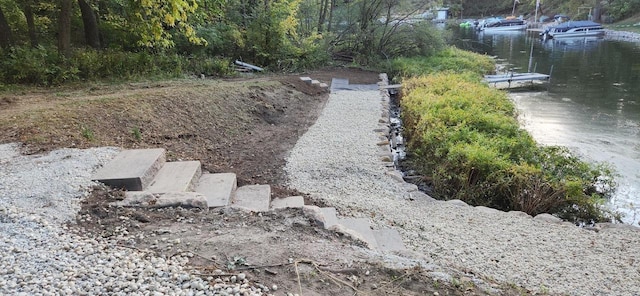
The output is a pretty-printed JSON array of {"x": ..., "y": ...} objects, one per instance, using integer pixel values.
[
  {"x": 44, "y": 66},
  {"x": 450, "y": 60},
  {"x": 465, "y": 135},
  {"x": 38, "y": 65}
]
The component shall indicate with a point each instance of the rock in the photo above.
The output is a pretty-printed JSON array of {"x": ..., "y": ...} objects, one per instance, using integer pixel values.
[
  {"x": 396, "y": 175},
  {"x": 457, "y": 202},
  {"x": 487, "y": 210},
  {"x": 544, "y": 217}
]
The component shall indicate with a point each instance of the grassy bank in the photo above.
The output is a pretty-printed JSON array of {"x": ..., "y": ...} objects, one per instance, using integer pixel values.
[{"x": 465, "y": 136}]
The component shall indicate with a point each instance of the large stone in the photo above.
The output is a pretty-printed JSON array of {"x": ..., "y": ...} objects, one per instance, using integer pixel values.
[
  {"x": 362, "y": 227},
  {"x": 547, "y": 218},
  {"x": 253, "y": 197},
  {"x": 389, "y": 240},
  {"x": 131, "y": 169},
  {"x": 218, "y": 188},
  {"x": 323, "y": 217},
  {"x": 146, "y": 199},
  {"x": 288, "y": 202},
  {"x": 176, "y": 177}
]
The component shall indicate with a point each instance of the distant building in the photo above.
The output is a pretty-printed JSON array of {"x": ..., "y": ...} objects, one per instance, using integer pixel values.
[{"x": 443, "y": 13}]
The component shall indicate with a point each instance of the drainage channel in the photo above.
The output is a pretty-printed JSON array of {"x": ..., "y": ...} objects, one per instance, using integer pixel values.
[{"x": 397, "y": 143}]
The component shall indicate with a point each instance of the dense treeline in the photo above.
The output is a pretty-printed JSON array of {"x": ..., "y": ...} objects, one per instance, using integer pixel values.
[
  {"x": 606, "y": 11},
  {"x": 52, "y": 41}
]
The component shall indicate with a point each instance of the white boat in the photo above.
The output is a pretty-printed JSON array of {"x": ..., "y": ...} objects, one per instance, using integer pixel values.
[
  {"x": 496, "y": 25},
  {"x": 574, "y": 29}
]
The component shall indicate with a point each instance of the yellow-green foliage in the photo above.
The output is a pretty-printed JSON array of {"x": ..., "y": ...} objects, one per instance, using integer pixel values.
[
  {"x": 451, "y": 59},
  {"x": 465, "y": 135}
]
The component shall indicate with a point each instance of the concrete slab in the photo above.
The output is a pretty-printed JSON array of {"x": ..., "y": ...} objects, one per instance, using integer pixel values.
[
  {"x": 323, "y": 85},
  {"x": 389, "y": 240},
  {"x": 288, "y": 202},
  {"x": 131, "y": 169},
  {"x": 339, "y": 84},
  {"x": 362, "y": 227},
  {"x": 306, "y": 79},
  {"x": 253, "y": 197},
  {"x": 315, "y": 82},
  {"x": 176, "y": 176},
  {"x": 330, "y": 217},
  {"x": 218, "y": 188}
]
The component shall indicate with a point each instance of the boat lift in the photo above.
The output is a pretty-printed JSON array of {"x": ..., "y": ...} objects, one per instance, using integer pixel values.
[{"x": 513, "y": 77}]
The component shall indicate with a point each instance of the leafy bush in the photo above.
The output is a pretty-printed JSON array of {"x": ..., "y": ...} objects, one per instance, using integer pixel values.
[
  {"x": 44, "y": 66},
  {"x": 465, "y": 135},
  {"x": 38, "y": 65}
]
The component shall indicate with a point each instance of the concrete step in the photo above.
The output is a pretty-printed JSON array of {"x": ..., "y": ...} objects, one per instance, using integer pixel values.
[
  {"x": 315, "y": 82},
  {"x": 253, "y": 197},
  {"x": 131, "y": 169},
  {"x": 176, "y": 176},
  {"x": 389, "y": 240},
  {"x": 306, "y": 79},
  {"x": 330, "y": 217},
  {"x": 362, "y": 227},
  {"x": 288, "y": 202},
  {"x": 218, "y": 188}
]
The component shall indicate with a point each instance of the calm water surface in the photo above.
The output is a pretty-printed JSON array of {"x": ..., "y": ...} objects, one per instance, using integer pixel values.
[{"x": 592, "y": 105}]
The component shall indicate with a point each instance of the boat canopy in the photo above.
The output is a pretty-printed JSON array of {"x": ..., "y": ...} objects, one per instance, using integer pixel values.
[{"x": 576, "y": 24}]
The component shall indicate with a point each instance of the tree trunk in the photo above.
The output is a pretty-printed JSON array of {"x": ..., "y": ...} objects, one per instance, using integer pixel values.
[
  {"x": 31, "y": 26},
  {"x": 91, "y": 33},
  {"x": 333, "y": 5},
  {"x": 324, "y": 4},
  {"x": 5, "y": 31},
  {"x": 64, "y": 25}
]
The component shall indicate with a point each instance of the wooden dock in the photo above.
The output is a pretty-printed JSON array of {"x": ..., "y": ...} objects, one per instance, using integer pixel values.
[{"x": 511, "y": 77}]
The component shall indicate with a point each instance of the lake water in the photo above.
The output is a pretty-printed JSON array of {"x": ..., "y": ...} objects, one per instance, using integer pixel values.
[{"x": 592, "y": 105}]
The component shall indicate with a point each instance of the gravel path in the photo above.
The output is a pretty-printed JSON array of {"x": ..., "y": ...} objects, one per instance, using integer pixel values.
[
  {"x": 40, "y": 256},
  {"x": 338, "y": 161}
]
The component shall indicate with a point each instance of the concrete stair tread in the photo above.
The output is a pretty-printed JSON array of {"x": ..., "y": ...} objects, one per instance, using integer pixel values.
[
  {"x": 330, "y": 217},
  {"x": 176, "y": 176},
  {"x": 306, "y": 79},
  {"x": 218, "y": 188},
  {"x": 288, "y": 202},
  {"x": 131, "y": 169},
  {"x": 252, "y": 197},
  {"x": 389, "y": 240},
  {"x": 362, "y": 227}
]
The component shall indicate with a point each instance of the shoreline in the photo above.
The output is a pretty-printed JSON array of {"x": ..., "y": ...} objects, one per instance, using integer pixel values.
[{"x": 621, "y": 36}]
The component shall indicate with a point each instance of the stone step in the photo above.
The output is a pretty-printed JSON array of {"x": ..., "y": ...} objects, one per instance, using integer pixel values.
[
  {"x": 218, "y": 188},
  {"x": 315, "y": 82},
  {"x": 288, "y": 202},
  {"x": 253, "y": 197},
  {"x": 362, "y": 227},
  {"x": 176, "y": 176},
  {"x": 146, "y": 199},
  {"x": 389, "y": 240},
  {"x": 131, "y": 169},
  {"x": 330, "y": 217},
  {"x": 306, "y": 79}
]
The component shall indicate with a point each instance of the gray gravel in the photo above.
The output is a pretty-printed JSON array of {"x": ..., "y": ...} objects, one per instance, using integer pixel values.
[
  {"x": 338, "y": 161},
  {"x": 40, "y": 256}
]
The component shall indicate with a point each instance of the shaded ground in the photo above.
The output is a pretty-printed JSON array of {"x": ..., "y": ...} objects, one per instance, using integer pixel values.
[{"x": 245, "y": 126}]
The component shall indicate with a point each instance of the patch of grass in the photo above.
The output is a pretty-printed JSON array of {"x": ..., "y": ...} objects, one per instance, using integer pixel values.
[
  {"x": 136, "y": 133},
  {"x": 465, "y": 135},
  {"x": 87, "y": 133}
]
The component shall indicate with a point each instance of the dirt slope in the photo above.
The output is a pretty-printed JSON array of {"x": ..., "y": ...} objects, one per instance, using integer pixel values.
[{"x": 245, "y": 126}]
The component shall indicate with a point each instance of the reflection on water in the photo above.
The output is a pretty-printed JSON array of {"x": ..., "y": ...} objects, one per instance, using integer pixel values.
[{"x": 593, "y": 102}]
